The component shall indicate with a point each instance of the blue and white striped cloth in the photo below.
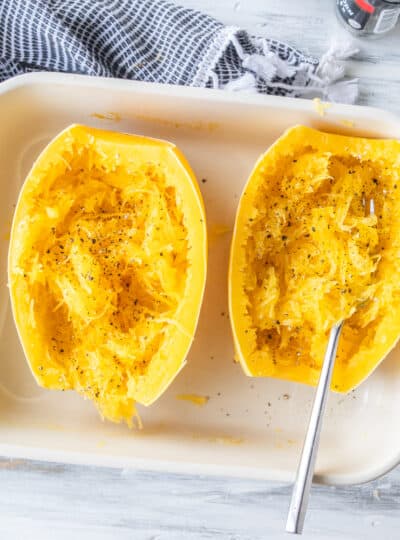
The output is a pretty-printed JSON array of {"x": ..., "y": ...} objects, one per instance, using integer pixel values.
[{"x": 149, "y": 40}]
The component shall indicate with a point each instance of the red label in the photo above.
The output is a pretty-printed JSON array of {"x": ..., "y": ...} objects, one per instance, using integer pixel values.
[{"x": 365, "y": 6}]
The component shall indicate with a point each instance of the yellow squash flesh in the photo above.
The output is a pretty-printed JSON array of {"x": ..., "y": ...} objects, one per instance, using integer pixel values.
[
  {"x": 107, "y": 266},
  {"x": 306, "y": 254}
]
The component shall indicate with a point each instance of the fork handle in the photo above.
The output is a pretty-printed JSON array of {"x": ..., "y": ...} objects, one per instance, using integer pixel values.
[{"x": 305, "y": 471}]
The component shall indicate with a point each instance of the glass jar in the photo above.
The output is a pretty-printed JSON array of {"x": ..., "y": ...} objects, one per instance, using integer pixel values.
[{"x": 369, "y": 18}]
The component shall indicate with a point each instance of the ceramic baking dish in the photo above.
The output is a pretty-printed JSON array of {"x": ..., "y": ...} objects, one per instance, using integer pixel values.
[{"x": 249, "y": 427}]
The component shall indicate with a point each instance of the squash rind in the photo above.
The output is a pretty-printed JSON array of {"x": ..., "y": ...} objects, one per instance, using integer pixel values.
[
  {"x": 297, "y": 152},
  {"x": 123, "y": 158}
]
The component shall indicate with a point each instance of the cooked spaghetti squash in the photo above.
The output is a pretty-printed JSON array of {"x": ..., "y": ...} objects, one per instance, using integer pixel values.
[
  {"x": 107, "y": 266},
  {"x": 317, "y": 241}
]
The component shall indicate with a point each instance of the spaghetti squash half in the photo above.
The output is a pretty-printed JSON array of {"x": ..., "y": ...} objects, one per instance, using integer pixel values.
[
  {"x": 107, "y": 266},
  {"x": 307, "y": 252}
]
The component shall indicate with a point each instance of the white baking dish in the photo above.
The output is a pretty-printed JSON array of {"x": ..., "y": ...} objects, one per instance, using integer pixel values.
[{"x": 248, "y": 427}]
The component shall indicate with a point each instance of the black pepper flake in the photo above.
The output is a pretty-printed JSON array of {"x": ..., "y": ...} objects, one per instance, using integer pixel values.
[
  {"x": 375, "y": 181},
  {"x": 313, "y": 229},
  {"x": 93, "y": 240},
  {"x": 204, "y": 180},
  {"x": 61, "y": 350},
  {"x": 284, "y": 237}
]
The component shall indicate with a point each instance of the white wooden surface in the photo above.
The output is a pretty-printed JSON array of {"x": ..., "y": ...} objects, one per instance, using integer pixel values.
[{"x": 40, "y": 501}]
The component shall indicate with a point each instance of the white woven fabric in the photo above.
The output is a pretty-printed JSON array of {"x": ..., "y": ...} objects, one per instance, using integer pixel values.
[{"x": 155, "y": 40}]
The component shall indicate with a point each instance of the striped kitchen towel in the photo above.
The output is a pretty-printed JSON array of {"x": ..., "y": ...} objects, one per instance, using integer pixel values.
[{"x": 158, "y": 41}]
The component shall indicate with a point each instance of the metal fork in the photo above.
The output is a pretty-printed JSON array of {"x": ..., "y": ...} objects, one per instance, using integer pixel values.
[{"x": 305, "y": 471}]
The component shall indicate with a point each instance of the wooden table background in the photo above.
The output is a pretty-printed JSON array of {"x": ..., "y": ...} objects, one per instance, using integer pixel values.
[{"x": 54, "y": 501}]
